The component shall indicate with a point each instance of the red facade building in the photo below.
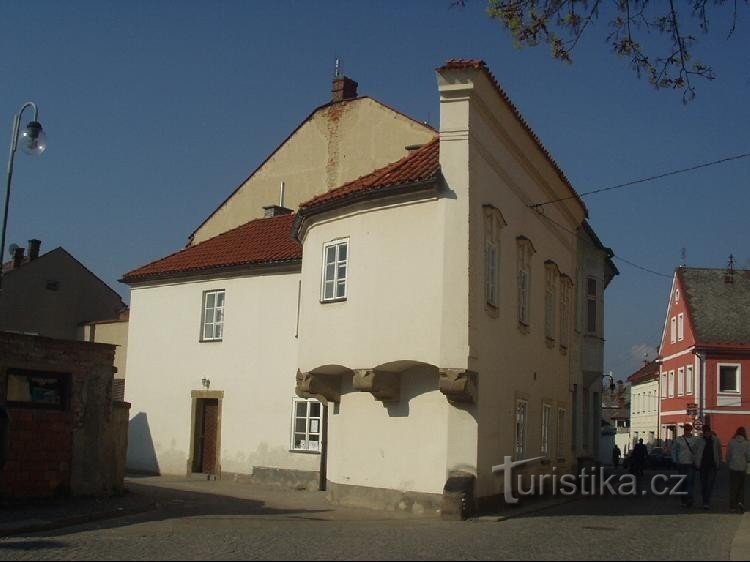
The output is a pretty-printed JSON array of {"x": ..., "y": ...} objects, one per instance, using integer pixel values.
[{"x": 704, "y": 374}]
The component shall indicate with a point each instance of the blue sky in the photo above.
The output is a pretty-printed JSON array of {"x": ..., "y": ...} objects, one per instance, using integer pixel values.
[{"x": 156, "y": 111}]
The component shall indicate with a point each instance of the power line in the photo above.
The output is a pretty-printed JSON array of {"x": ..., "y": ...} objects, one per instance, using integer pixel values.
[
  {"x": 643, "y": 180},
  {"x": 615, "y": 256}
]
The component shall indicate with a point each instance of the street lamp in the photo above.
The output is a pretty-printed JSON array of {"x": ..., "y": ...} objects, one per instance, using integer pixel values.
[{"x": 33, "y": 141}]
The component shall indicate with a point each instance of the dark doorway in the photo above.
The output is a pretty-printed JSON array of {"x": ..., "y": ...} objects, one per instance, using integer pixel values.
[{"x": 206, "y": 435}]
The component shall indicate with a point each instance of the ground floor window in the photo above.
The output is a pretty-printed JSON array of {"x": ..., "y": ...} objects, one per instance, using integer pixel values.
[{"x": 307, "y": 425}]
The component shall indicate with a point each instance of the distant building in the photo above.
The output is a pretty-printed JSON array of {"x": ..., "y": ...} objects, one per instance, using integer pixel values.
[
  {"x": 52, "y": 294},
  {"x": 644, "y": 404},
  {"x": 704, "y": 374},
  {"x": 615, "y": 421},
  {"x": 114, "y": 332}
]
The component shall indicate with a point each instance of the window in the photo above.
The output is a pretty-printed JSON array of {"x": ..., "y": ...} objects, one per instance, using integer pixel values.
[
  {"x": 335, "y": 259},
  {"x": 677, "y": 296},
  {"x": 522, "y": 412},
  {"x": 592, "y": 294},
  {"x": 307, "y": 425},
  {"x": 490, "y": 272},
  {"x": 690, "y": 379},
  {"x": 671, "y": 384},
  {"x": 525, "y": 252},
  {"x": 681, "y": 326},
  {"x": 551, "y": 273},
  {"x": 681, "y": 381},
  {"x": 673, "y": 330},
  {"x": 729, "y": 378},
  {"x": 38, "y": 389},
  {"x": 546, "y": 423},
  {"x": 212, "y": 323},
  {"x": 560, "y": 431},
  {"x": 663, "y": 384},
  {"x": 493, "y": 223},
  {"x": 566, "y": 285}
]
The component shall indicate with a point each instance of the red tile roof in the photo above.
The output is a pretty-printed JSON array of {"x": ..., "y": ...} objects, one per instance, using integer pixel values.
[
  {"x": 261, "y": 241},
  {"x": 422, "y": 165},
  {"x": 649, "y": 372},
  {"x": 477, "y": 64}
]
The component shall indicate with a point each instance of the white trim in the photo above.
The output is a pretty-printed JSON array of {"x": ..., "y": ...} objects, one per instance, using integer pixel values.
[
  {"x": 678, "y": 354},
  {"x": 313, "y": 426},
  {"x": 337, "y": 263},
  {"x": 669, "y": 307},
  {"x": 681, "y": 326},
  {"x": 673, "y": 413},
  {"x": 738, "y": 379},
  {"x": 733, "y": 412}
]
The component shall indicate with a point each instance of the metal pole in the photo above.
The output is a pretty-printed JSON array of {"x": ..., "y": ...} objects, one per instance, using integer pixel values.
[{"x": 11, "y": 157}]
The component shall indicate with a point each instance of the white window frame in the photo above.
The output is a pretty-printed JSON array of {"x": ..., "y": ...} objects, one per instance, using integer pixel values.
[
  {"x": 337, "y": 264},
  {"x": 670, "y": 382},
  {"x": 681, "y": 381},
  {"x": 546, "y": 429},
  {"x": 525, "y": 252},
  {"x": 592, "y": 304},
  {"x": 565, "y": 291},
  {"x": 561, "y": 412},
  {"x": 313, "y": 426},
  {"x": 551, "y": 274},
  {"x": 209, "y": 315},
  {"x": 690, "y": 379},
  {"x": 663, "y": 383},
  {"x": 738, "y": 379},
  {"x": 491, "y": 272},
  {"x": 673, "y": 329},
  {"x": 681, "y": 326},
  {"x": 521, "y": 428}
]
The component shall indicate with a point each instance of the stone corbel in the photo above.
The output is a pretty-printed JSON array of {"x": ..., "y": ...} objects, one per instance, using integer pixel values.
[
  {"x": 384, "y": 386},
  {"x": 326, "y": 388},
  {"x": 459, "y": 385}
]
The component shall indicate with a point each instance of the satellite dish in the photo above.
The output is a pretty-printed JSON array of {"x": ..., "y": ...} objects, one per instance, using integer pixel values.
[{"x": 12, "y": 249}]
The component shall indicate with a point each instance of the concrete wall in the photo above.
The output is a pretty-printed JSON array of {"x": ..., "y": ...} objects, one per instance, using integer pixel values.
[
  {"x": 68, "y": 450},
  {"x": 30, "y": 305},
  {"x": 338, "y": 143},
  {"x": 254, "y": 366}
]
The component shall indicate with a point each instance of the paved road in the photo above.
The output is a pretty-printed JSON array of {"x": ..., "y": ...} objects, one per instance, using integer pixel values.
[{"x": 188, "y": 525}]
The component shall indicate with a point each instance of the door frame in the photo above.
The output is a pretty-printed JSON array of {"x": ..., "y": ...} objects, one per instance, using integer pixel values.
[{"x": 196, "y": 396}]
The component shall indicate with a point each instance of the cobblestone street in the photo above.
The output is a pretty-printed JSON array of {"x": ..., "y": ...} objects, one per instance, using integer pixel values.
[{"x": 196, "y": 525}]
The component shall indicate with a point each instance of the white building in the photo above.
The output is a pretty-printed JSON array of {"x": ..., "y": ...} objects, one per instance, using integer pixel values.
[
  {"x": 644, "y": 404},
  {"x": 437, "y": 323}
]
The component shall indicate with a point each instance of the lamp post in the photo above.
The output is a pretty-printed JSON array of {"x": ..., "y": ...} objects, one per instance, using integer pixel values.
[{"x": 33, "y": 141}]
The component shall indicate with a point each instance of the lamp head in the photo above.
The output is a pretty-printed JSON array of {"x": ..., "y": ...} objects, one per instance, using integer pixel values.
[{"x": 33, "y": 139}]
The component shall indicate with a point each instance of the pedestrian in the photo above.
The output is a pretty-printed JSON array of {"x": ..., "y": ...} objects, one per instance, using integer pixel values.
[
  {"x": 638, "y": 459},
  {"x": 616, "y": 454},
  {"x": 683, "y": 456},
  {"x": 707, "y": 460},
  {"x": 738, "y": 456}
]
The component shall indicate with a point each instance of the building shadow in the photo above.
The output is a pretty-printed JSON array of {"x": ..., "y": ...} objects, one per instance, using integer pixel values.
[{"x": 141, "y": 452}]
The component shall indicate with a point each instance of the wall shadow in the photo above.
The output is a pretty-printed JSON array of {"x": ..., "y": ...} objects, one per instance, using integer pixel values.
[{"x": 141, "y": 452}]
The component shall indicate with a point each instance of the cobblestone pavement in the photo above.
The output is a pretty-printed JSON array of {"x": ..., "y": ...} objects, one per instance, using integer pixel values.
[{"x": 190, "y": 525}]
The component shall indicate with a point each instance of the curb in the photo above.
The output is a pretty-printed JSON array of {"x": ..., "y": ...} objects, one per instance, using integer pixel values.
[
  {"x": 29, "y": 527},
  {"x": 511, "y": 512}
]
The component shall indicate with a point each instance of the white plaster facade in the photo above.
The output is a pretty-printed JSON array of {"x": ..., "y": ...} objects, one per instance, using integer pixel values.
[{"x": 644, "y": 411}]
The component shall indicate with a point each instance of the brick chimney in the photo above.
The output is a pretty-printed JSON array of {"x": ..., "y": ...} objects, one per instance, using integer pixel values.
[
  {"x": 34, "y": 246},
  {"x": 343, "y": 89},
  {"x": 18, "y": 257}
]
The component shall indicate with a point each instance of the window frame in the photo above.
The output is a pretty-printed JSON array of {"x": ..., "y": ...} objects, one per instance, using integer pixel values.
[
  {"x": 204, "y": 307},
  {"x": 689, "y": 380},
  {"x": 566, "y": 289},
  {"x": 673, "y": 329},
  {"x": 670, "y": 383},
  {"x": 546, "y": 445},
  {"x": 524, "y": 281},
  {"x": 592, "y": 303},
  {"x": 63, "y": 384},
  {"x": 681, "y": 326},
  {"x": 520, "y": 439},
  {"x": 663, "y": 384},
  {"x": 337, "y": 263},
  {"x": 737, "y": 378},
  {"x": 551, "y": 297},
  {"x": 561, "y": 413},
  {"x": 320, "y": 419}
]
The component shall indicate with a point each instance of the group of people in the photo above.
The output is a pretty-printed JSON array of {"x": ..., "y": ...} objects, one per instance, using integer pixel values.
[{"x": 693, "y": 455}]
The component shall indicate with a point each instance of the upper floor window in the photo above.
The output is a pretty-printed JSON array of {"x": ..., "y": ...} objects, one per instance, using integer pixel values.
[
  {"x": 522, "y": 415},
  {"x": 676, "y": 296},
  {"x": 681, "y": 381},
  {"x": 212, "y": 321},
  {"x": 551, "y": 273},
  {"x": 566, "y": 285},
  {"x": 690, "y": 379},
  {"x": 729, "y": 378},
  {"x": 493, "y": 223},
  {"x": 663, "y": 384},
  {"x": 546, "y": 427},
  {"x": 592, "y": 306},
  {"x": 673, "y": 329},
  {"x": 335, "y": 260},
  {"x": 525, "y": 252},
  {"x": 681, "y": 326},
  {"x": 671, "y": 384}
]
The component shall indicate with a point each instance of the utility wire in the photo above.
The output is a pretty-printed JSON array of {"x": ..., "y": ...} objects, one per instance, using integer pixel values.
[
  {"x": 615, "y": 256},
  {"x": 643, "y": 180}
]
